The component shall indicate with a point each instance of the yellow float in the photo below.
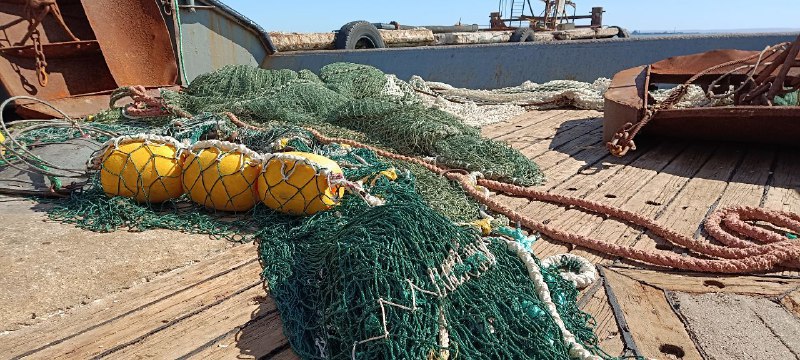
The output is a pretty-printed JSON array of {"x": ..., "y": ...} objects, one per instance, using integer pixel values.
[
  {"x": 2, "y": 140},
  {"x": 143, "y": 167},
  {"x": 299, "y": 183},
  {"x": 221, "y": 175}
]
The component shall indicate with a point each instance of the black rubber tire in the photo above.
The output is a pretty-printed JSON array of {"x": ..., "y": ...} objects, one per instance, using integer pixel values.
[
  {"x": 523, "y": 34},
  {"x": 622, "y": 33},
  {"x": 359, "y": 35}
]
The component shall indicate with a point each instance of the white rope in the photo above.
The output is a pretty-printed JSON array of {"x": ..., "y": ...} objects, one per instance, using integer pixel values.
[
  {"x": 695, "y": 97},
  {"x": 444, "y": 275},
  {"x": 225, "y": 148},
  {"x": 96, "y": 160},
  {"x": 586, "y": 275},
  {"x": 576, "y": 350}
]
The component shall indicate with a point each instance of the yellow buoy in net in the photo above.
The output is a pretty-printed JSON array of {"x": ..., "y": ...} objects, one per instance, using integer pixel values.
[
  {"x": 299, "y": 183},
  {"x": 143, "y": 167},
  {"x": 221, "y": 175},
  {"x": 2, "y": 140}
]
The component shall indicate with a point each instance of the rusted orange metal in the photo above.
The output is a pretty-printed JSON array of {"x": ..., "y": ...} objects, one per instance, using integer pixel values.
[
  {"x": 87, "y": 51},
  {"x": 628, "y": 99},
  {"x": 134, "y": 40}
]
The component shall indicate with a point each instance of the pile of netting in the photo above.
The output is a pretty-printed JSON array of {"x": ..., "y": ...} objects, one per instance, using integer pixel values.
[
  {"x": 485, "y": 107},
  {"x": 358, "y": 102},
  {"x": 403, "y": 264},
  {"x": 401, "y": 281}
]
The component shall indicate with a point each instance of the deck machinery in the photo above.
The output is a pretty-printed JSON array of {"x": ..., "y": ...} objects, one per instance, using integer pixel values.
[{"x": 555, "y": 16}]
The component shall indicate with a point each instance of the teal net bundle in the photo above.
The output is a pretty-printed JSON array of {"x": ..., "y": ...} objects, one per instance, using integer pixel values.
[{"x": 408, "y": 279}]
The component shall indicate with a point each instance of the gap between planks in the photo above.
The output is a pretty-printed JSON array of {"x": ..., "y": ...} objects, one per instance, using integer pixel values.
[{"x": 132, "y": 316}]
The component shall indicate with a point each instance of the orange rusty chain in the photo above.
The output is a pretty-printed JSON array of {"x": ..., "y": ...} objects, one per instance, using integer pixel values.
[
  {"x": 622, "y": 142},
  {"x": 36, "y": 11},
  {"x": 735, "y": 257},
  {"x": 41, "y": 60}
]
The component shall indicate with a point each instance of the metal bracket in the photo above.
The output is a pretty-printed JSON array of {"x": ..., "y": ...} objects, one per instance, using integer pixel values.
[{"x": 619, "y": 315}]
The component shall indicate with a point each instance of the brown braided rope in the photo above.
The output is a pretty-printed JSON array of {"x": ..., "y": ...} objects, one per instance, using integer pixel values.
[
  {"x": 737, "y": 256},
  {"x": 143, "y": 104}
]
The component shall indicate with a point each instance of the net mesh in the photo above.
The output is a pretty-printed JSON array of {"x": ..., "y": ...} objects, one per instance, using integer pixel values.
[{"x": 400, "y": 280}]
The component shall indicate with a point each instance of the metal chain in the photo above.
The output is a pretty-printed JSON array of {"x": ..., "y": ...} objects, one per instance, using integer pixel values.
[{"x": 41, "y": 60}]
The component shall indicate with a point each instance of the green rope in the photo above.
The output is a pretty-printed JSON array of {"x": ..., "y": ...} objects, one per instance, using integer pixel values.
[{"x": 179, "y": 25}]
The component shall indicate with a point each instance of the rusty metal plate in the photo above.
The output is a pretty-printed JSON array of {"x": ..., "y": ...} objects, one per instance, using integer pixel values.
[
  {"x": 119, "y": 43},
  {"x": 676, "y": 70},
  {"x": 134, "y": 40},
  {"x": 72, "y": 71},
  {"x": 75, "y": 106}
]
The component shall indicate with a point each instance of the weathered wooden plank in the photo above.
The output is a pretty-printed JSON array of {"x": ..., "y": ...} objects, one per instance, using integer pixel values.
[
  {"x": 562, "y": 165},
  {"x": 575, "y": 132},
  {"x": 653, "y": 324},
  {"x": 791, "y": 302},
  {"x": 574, "y": 145},
  {"x": 606, "y": 327},
  {"x": 548, "y": 129},
  {"x": 522, "y": 137},
  {"x": 198, "y": 285},
  {"x": 784, "y": 190},
  {"x": 574, "y": 220},
  {"x": 692, "y": 203},
  {"x": 623, "y": 186},
  {"x": 747, "y": 183},
  {"x": 564, "y": 218},
  {"x": 657, "y": 193},
  {"x": 519, "y": 123},
  {"x": 574, "y": 148},
  {"x": 261, "y": 338},
  {"x": 702, "y": 283},
  {"x": 615, "y": 185},
  {"x": 203, "y": 330},
  {"x": 137, "y": 312}
]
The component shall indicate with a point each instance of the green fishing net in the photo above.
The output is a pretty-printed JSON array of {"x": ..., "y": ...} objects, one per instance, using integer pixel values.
[
  {"x": 409, "y": 279},
  {"x": 384, "y": 282},
  {"x": 354, "y": 101}
]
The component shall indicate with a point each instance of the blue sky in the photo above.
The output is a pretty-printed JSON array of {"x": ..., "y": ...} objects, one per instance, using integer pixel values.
[{"x": 327, "y": 15}]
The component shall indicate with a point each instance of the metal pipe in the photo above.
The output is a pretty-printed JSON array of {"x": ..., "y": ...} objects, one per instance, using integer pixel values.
[
  {"x": 453, "y": 28},
  {"x": 436, "y": 29},
  {"x": 597, "y": 17}
]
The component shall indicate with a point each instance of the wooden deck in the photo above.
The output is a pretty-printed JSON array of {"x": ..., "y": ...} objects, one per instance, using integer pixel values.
[{"x": 218, "y": 308}]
